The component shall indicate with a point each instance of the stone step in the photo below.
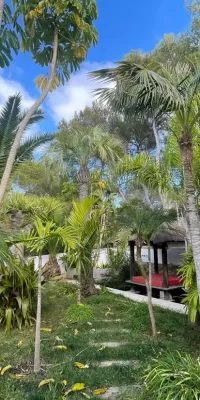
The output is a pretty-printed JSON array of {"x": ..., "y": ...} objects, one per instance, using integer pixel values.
[
  {"x": 123, "y": 363},
  {"x": 115, "y": 391},
  {"x": 107, "y": 330},
  {"x": 110, "y": 344}
]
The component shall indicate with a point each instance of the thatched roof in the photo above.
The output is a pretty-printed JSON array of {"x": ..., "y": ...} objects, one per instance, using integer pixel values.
[{"x": 174, "y": 232}]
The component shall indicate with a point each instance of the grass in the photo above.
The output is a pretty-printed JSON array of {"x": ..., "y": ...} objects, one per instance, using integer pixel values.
[{"x": 58, "y": 305}]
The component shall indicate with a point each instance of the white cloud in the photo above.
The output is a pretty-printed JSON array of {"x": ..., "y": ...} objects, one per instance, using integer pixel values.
[
  {"x": 76, "y": 94},
  {"x": 9, "y": 88}
]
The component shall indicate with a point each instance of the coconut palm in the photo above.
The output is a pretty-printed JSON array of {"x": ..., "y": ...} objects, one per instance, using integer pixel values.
[
  {"x": 173, "y": 91},
  {"x": 10, "y": 118},
  {"x": 143, "y": 222}
]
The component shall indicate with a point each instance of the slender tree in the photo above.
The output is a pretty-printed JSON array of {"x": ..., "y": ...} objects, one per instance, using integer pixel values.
[{"x": 143, "y": 222}]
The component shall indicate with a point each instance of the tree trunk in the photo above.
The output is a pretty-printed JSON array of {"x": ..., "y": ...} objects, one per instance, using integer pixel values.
[
  {"x": 149, "y": 293},
  {"x": 1, "y": 12},
  {"x": 52, "y": 268},
  {"x": 38, "y": 321},
  {"x": 87, "y": 283},
  {"x": 185, "y": 144},
  {"x": 17, "y": 221},
  {"x": 84, "y": 181},
  {"x": 157, "y": 139},
  {"x": 13, "y": 151},
  {"x": 139, "y": 254}
]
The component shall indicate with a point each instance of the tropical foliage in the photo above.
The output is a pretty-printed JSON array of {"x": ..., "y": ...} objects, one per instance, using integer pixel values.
[
  {"x": 10, "y": 117},
  {"x": 18, "y": 286},
  {"x": 174, "y": 376}
]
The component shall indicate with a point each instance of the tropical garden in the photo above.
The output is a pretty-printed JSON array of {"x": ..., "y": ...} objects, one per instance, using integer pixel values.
[{"x": 128, "y": 166}]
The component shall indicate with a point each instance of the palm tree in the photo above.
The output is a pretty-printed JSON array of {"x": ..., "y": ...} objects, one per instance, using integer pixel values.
[
  {"x": 173, "y": 91},
  {"x": 87, "y": 149},
  {"x": 84, "y": 225},
  {"x": 43, "y": 235},
  {"x": 10, "y": 117},
  {"x": 143, "y": 222}
]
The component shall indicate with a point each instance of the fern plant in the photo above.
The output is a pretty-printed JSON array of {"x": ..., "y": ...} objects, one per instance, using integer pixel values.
[
  {"x": 18, "y": 285},
  {"x": 188, "y": 276},
  {"x": 173, "y": 377}
]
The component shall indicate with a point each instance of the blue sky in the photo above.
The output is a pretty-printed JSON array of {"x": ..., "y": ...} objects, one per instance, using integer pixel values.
[{"x": 122, "y": 26}]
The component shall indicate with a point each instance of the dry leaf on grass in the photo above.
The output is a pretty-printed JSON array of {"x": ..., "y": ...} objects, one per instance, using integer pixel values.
[
  {"x": 75, "y": 332},
  {"x": 17, "y": 376},
  {"x": 81, "y": 366},
  {"x": 64, "y": 382},
  {"x": 61, "y": 347},
  {"x": 97, "y": 392},
  {"x": 101, "y": 348},
  {"x": 47, "y": 330},
  {"x": 20, "y": 344},
  {"x": 75, "y": 388},
  {"x": 5, "y": 369},
  {"x": 45, "y": 382}
]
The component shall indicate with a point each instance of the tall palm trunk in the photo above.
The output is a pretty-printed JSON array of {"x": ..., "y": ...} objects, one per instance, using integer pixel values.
[
  {"x": 86, "y": 280},
  {"x": 149, "y": 294},
  {"x": 13, "y": 151},
  {"x": 185, "y": 144},
  {"x": 158, "y": 158},
  {"x": 37, "y": 365},
  {"x": 1, "y": 11}
]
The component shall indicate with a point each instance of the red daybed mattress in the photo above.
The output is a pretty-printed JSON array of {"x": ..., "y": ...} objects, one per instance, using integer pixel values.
[{"x": 157, "y": 280}]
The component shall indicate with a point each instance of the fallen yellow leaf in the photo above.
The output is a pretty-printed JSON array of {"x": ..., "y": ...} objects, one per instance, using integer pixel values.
[
  {"x": 76, "y": 388},
  {"x": 101, "y": 348},
  {"x": 75, "y": 332},
  {"x": 17, "y": 376},
  {"x": 80, "y": 365},
  {"x": 46, "y": 382},
  {"x": 20, "y": 344},
  {"x": 60, "y": 347},
  {"x": 5, "y": 369},
  {"x": 46, "y": 329},
  {"x": 64, "y": 382},
  {"x": 97, "y": 392}
]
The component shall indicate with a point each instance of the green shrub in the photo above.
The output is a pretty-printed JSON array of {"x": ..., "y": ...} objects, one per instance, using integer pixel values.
[
  {"x": 119, "y": 264},
  {"x": 79, "y": 312},
  {"x": 188, "y": 275},
  {"x": 174, "y": 377},
  {"x": 18, "y": 286}
]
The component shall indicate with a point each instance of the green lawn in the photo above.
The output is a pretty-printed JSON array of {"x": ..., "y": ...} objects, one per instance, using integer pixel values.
[{"x": 174, "y": 334}]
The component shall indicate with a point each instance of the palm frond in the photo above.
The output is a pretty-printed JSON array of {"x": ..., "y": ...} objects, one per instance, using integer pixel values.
[
  {"x": 36, "y": 117},
  {"x": 26, "y": 149},
  {"x": 9, "y": 120}
]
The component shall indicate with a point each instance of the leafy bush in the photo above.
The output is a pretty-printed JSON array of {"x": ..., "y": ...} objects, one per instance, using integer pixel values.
[
  {"x": 174, "y": 377},
  {"x": 18, "y": 286},
  {"x": 120, "y": 271},
  {"x": 188, "y": 275},
  {"x": 79, "y": 312}
]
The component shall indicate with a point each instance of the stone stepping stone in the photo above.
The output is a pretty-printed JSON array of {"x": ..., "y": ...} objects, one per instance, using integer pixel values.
[
  {"x": 123, "y": 363},
  {"x": 110, "y": 344},
  {"x": 115, "y": 391},
  {"x": 109, "y": 320},
  {"x": 107, "y": 330}
]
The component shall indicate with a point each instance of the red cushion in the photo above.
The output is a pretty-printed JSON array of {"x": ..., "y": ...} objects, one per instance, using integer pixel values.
[{"x": 157, "y": 280}]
